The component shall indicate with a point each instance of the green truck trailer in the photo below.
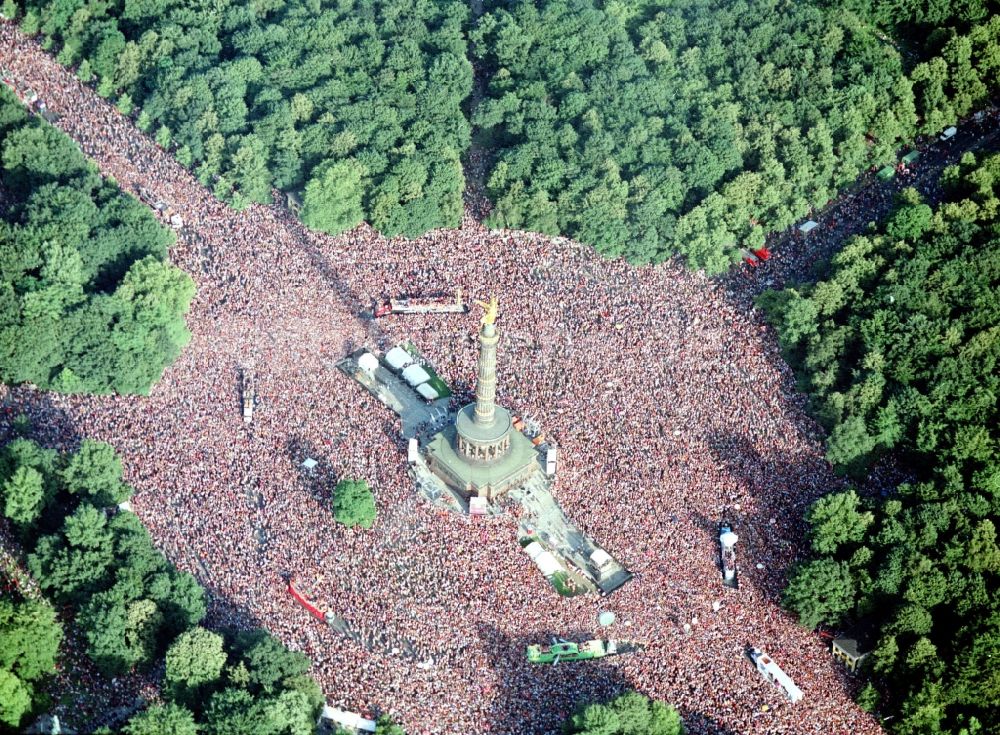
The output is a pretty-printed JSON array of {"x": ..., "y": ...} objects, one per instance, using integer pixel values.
[{"x": 565, "y": 651}]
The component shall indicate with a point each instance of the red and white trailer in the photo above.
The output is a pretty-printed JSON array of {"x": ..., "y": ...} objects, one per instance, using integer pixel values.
[{"x": 433, "y": 304}]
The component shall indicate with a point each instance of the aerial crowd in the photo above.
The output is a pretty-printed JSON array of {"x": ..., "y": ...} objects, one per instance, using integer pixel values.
[{"x": 664, "y": 391}]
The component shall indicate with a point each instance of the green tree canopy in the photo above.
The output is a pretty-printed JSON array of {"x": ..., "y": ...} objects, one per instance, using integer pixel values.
[
  {"x": 332, "y": 199},
  {"x": 87, "y": 302},
  {"x": 133, "y": 607},
  {"x": 820, "y": 591},
  {"x": 353, "y": 503},
  {"x": 234, "y": 712},
  {"x": 195, "y": 659},
  {"x": 23, "y": 496},
  {"x": 609, "y": 139},
  {"x": 836, "y": 520},
  {"x": 29, "y": 638},
  {"x": 15, "y": 699},
  {"x": 95, "y": 470},
  {"x": 898, "y": 348},
  {"x": 629, "y": 714},
  {"x": 269, "y": 663},
  {"x": 76, "y": 561},
  {"x": 162, "y": 719},
  {"x": 357, "y": 103}
]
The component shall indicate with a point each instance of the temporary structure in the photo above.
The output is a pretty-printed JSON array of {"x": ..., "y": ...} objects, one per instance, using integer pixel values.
[
  {"x": 348, "y": 719},
  {"x": 546, "y": 562},
  {"x": 600, "y": 558},
  {"x": 415, "y": 375},
  {"x": 398, "y": 358},
  {"x": 425, "y": 390},
  {"x": 368, "y": 362}
]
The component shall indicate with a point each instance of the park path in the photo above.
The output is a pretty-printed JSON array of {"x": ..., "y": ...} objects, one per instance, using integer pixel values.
[{"x": 477, "y": 158}]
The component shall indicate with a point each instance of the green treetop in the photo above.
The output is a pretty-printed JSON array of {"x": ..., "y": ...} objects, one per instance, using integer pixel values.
[
  {"x": 194, "y": 660},
  {"x": 162, "y": 719},
  {"x": 629, "y": 714},
  {"x": 95, "y": 470},
  {"x": 332, "y": 199},
  {"x": 29, "y": 638},
  {"x": 354, "y": 504},
  {"x": 23, "y": 496}
]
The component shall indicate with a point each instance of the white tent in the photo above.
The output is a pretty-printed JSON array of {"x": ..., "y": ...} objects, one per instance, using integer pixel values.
[
  {"x": 348, "y": 719},
  {"x": 533, "y": 550},
  {"x": 477, "y": 506},
  {"x": 426, "y": 391},
  {"x": 809, "y": 226},
  {"x": 368, "y": 362},
  {"x": 415, "y": 375},
  {"x": 309, "y": 464},
  {"x": 600, "y": 558},
  {"x": 398, "y": 358},
  {"x": 547, "y": 563},
  {"x": 949, "y": 133}
]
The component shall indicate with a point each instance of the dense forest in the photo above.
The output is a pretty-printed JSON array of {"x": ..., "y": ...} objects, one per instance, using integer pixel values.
[
  {"x": 132, "y": 607},
  {"x": 355, "y": 104},
  {"x": 88, "y": 302},
  {"x": 643, "y": 130},
  {"x": 697, "y": 128},
  {"x": 899, "y": 350}
]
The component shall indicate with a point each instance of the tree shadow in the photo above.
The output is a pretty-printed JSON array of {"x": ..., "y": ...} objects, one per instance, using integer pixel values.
[
  {"x": 537, "y": 698},
  {"x": 32, "y": 414},
  {"x": 358, "y": 305},
  {"x": 696, "y": 723},
  {"x": 770, "y": 523}
]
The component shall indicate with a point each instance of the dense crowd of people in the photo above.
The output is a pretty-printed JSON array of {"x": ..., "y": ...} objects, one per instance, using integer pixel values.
[{"x": 666, "y": 394}]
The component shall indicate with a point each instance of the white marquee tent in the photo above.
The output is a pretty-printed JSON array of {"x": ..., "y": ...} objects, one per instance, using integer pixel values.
[
  {"x": 426, "y": 391},
  {"x": 547, "y": 563},
  {"x": 348, "y": 719},
  {"x": 415, "y": 375},
  {"x": 600, "y": 558},
  {"x": 398, "y": 358},
  {"x": 368, "y": 362}
]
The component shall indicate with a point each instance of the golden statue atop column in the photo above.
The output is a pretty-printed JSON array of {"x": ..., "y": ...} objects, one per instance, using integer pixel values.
[
  {"x": 490, "y": 310},
  {"x": 481, "y": 454}
]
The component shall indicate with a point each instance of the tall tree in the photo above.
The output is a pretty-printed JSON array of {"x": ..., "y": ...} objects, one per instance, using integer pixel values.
[
  {"x": 194, "y": 660},
  {"x": 162, "y": 719},
  {"x": 29, "y": 638},
  {"x": 627, "y": 714},
  {"x": 353, "y": 503},
  {"x": 332, "y": 199},
  {"x": 23, "y": 496}
]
